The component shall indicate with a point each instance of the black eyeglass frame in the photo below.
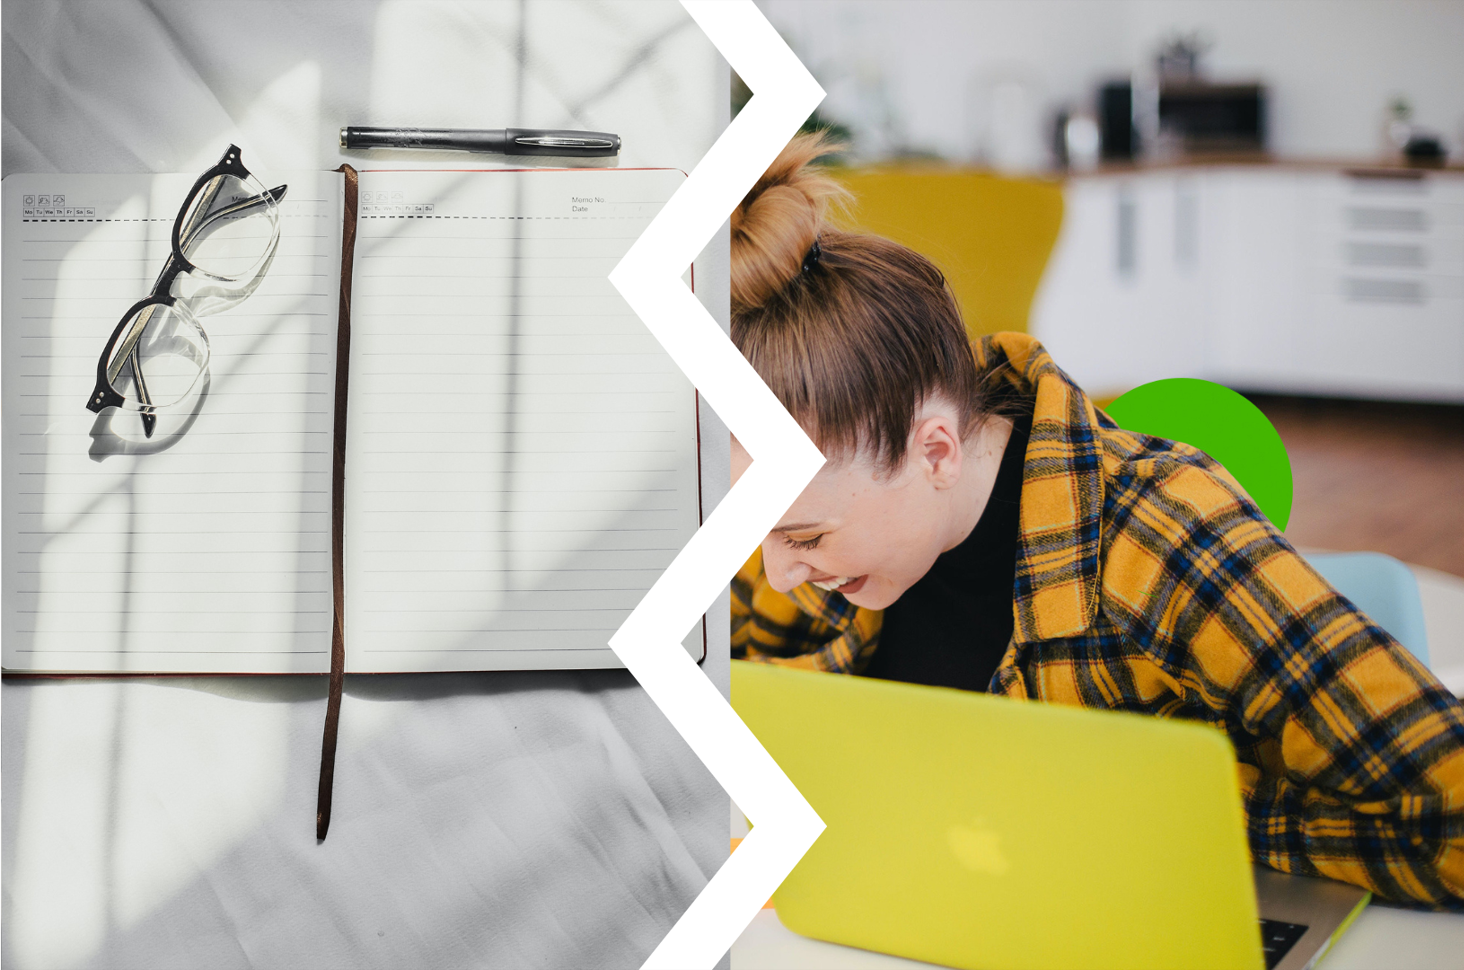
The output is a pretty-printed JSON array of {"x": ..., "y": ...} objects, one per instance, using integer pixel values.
[{"x": 104, "y": 395}]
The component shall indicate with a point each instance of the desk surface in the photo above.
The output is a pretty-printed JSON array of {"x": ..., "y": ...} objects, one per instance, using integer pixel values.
[{"x": 1383, "y": 936}]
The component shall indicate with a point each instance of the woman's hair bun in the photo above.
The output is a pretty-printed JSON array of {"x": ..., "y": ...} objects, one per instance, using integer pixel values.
[{"x": 780, "y": 219}]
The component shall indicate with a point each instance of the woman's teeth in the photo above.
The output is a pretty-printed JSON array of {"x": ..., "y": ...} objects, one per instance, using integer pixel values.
[{"x": 833, "y": 584}]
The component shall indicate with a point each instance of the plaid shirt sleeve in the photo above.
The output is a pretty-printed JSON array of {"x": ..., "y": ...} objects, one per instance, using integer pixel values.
[
  {"x": 805, "y": 628},
  {"x": 1352, "y": 753}
]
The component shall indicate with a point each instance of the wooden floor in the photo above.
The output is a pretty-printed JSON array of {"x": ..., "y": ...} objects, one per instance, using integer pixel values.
[{"x": 1373, "y": 476}]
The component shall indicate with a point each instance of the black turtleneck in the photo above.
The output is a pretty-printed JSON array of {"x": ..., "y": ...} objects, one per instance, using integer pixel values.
[{"x": 952, "y": 627}]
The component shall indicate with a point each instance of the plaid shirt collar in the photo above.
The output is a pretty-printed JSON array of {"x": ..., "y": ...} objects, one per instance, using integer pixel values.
[{"x": 1058, "y": 546}]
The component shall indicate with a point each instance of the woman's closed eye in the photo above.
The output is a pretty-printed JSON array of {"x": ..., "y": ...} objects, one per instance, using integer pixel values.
[{"x": 802, "y": 544}]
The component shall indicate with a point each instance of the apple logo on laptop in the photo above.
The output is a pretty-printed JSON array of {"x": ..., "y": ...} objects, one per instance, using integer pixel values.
[{"x": 977, "y": 847}]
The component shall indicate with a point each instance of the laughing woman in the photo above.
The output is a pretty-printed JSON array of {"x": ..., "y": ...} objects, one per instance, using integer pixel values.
[{"x": 982, "y": 525}]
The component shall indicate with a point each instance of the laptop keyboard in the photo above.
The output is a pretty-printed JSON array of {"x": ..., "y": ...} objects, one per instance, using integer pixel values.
[{"x": 1277, "y": 939}]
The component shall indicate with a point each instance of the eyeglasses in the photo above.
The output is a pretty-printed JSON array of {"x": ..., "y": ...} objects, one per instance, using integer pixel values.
[{"x": 226, "y": 230}]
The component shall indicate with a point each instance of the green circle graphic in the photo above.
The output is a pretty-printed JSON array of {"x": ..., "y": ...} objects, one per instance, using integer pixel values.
[{"x": 1222, "y": 424}]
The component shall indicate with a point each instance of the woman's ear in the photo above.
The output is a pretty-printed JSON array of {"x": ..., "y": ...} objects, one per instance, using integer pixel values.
[{"x": 936, "y": 446}]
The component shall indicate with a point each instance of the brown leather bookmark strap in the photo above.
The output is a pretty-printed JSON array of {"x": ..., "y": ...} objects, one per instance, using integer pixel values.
[{"x": 337, "y": 513}]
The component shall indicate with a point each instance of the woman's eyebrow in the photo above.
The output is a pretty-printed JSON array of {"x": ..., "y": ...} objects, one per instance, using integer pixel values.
[{"x": 799, "y": 527}]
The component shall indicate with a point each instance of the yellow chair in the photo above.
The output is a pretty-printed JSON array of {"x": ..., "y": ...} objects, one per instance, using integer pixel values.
[{"x": 989, "y": 234}]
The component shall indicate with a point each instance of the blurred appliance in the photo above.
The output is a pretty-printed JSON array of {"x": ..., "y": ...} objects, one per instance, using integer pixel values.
[
  {"x": 1413, "y": 144},
  {"x": 1075, "y": 140},
  {"x": 1209, "y": 118},
  {"x": 1424, "y": 148},
  {"x": 1117, "y": 137},
  {"x": 1193, "y": 115}
]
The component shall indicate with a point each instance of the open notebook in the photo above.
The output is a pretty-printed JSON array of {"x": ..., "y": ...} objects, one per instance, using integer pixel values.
[{"x": 520, "y": 456}]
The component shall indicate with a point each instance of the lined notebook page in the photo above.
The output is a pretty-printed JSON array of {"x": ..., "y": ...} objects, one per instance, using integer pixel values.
[
  {"x": 207, "y": 547},
  {"x": 521, "y": 454}
]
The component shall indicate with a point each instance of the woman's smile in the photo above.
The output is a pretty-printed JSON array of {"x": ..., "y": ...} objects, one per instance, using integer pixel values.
[{"x": 842, "y": 584}]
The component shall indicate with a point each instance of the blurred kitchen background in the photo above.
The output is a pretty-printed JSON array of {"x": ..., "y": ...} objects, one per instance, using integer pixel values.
[{"x": 1264, "y": 194}]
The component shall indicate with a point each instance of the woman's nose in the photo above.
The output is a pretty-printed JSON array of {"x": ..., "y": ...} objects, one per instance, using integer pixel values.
[{"x": 783, "y": 568}]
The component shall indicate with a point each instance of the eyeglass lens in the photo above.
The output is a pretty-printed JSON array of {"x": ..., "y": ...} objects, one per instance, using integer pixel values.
[
  {"x": 159, "y": 358},
  {"x": 229, "y": 227}
]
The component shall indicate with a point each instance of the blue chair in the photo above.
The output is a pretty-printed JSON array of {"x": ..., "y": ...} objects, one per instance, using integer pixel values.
[{"x": 1383, "y": 588}]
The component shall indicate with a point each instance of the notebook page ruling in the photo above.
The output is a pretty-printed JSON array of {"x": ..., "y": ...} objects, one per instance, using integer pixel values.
[
  {"x": 521, "y": 454},
  {"x": 205, "y": 548}
]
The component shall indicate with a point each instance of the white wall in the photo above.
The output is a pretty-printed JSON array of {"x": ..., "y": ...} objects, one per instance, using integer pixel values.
[{"x": 919, "y": 74}]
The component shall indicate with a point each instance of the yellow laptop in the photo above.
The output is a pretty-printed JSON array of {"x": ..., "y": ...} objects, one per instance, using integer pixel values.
[{"x": 977, "y": 831}]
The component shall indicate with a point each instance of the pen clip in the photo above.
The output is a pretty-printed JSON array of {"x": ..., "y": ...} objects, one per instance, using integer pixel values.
[{"x": 560, "y": 141}]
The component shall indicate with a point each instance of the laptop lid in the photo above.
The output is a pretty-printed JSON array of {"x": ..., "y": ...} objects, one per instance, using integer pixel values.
[{"x": 979, "y": 831}]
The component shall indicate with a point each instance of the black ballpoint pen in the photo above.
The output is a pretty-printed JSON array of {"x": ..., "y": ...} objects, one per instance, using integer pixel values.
[{"x": 499, "y": 141}]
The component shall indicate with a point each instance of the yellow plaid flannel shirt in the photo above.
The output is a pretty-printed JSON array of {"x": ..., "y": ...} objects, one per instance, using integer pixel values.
[{"x": 1146, "y": 581}]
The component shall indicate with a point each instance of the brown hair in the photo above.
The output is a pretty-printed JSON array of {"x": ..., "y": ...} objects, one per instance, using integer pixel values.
[{"x": 852, "y": 336}]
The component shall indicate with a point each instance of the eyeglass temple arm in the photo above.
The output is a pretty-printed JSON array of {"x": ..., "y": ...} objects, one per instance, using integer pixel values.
[
  {"x": 200, "y": 212},
  {"x": 127, "y": 346},
  {"x": 149, "y": 419},
  {"x": 126, "y": 356}
]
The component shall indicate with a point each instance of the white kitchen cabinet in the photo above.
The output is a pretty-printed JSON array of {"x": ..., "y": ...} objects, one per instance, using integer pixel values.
[{"x": 1265, "y": 278}]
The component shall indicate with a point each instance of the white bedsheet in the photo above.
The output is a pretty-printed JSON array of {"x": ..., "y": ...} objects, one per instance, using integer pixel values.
[{"x": 527, "y": 819}]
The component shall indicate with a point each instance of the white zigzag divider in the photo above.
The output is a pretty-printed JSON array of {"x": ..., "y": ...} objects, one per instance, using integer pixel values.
[{"x": 649, "y": 642}]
